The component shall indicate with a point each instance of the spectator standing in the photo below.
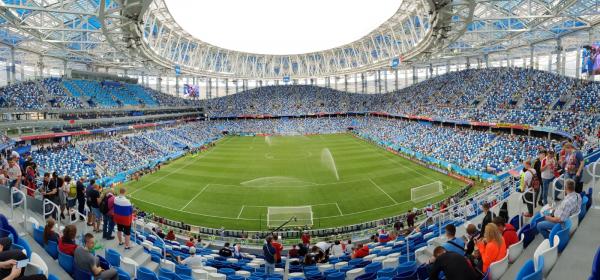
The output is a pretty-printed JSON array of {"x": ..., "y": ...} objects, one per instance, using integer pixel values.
[
  {"x": 14, "y": 178},
  {"x": 94, "y": 205},
  {"x": 410, "y": 219},
  {"x": 305, "y": 238},
  {"x": 70, "y": 192},
  {"x": 509, "y": 233},
  {"x": 107, "y": 208},
  {"x": 81, "y": 196},
  {"x": 574, "y": 165},
  {"x": 49, "y": 192},
  {"x": 487, "y": 216},
  {"x": 123, "y": 216},
  {"x": 269, "y": 254},
  {"x": 88, "y": 190},
  {"x": 83, "y": 259},
  {"x": 548, "y": 168},
  {"x": 567, "y": 207},
  {"x": 527, "y": 187},
  {"x": 452, "y": 243},
  {"x": 471, "y": 237},
  {"x": 278, "y": 248},
  {"x": 453, "y": 265},
  {"x": 537, "y": 165}
]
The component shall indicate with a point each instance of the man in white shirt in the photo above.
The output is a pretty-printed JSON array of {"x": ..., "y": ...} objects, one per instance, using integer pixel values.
[
  {"x": 193, "y": 260},
  {"x": 14, "y": 173},
  {"x": 527, "y": 175}
]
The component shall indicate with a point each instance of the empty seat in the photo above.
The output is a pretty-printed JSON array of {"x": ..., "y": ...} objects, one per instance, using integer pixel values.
[
  {"x": 66, "y": 262},
  {"x": 549, "y": 253},
  {"x": 498, "y": 268},
  {"x": 129, "y": 266},
  {"x": 354, "y": 273},
  {"x": 529, "y": 271},
  {"x": 515, "y": 250},
  {"x": 216, "y": 276}
]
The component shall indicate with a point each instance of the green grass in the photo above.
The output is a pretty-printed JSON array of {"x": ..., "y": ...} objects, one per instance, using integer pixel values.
[{"x": 232, "y": 184}]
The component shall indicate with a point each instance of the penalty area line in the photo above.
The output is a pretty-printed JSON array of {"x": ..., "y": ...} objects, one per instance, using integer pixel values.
[
  {"x": 340, "y": 210},
  {"x": 241, "y": 210},
  {"x": 201, "y": 191},
  {"x": 388, "y": 195}
]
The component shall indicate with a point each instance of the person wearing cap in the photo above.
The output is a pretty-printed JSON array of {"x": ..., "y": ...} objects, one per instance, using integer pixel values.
[{"x": 193, "y": 260}]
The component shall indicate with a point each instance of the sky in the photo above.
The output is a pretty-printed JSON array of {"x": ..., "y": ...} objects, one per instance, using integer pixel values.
[{"x": 280, "y": 26}]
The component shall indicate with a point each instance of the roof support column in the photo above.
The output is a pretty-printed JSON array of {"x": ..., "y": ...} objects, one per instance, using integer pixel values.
[
  {"x": 486, "y": 60},
  {"x": 414, "y": 75},
  {"x": 560, "y": 57},
  {"x": 531, "y": 57},
  {"x": 578, "y": 63},
  {"x": 385, "y": 80},
  {"x": 66, "y": 69},
  {"x": 227, "y": 86},
  {"x": 158, "y": 83},
  {"x": 177, "y": 85},
  {"x": 396, "y": 79},
  {"x": 346, "y": 83},
  {"x": 362, "y": 82},
  {"x": 378, "y": 81},
  {"x": 355, "y": 83},
  {"x": 217, "y": 87},
  {"x": 10, "y": 69},
  {"x": 468, "y": 62}
]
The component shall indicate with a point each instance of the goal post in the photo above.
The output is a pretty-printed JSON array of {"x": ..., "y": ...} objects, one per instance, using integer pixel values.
[
  {"x": 426, "y": 191},
  {"x": 299, "y": 216}
]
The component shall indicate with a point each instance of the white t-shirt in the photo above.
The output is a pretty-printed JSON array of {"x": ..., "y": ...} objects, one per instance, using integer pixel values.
[
  {"x": 193, "y": 261},
  {"x": 323, "y": 245},
  {"x": 336, "y": 250},
  {"x": 14, "y": 172}
]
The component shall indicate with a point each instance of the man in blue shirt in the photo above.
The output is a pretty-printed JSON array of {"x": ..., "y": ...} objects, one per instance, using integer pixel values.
[
  {"x": 453, "y": 244},
  {"x": 269, "y": 255}
]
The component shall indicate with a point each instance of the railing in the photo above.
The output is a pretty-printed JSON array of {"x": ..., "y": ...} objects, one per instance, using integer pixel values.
[
  {"x": 54, "y": 208},
  {"x": 493, "y": 193},
  {"x": 594, "y": 170},
  {"x": 23, "y": 201}
]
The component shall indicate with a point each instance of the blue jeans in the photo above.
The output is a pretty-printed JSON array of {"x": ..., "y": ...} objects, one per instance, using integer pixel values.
[
  {"x": 108, "y": 226},
  {"x": 545, "y": 187},
  {"x": 269, "y": 268},
  {"x": 559, "y": 186},
  {"x": 545, "y": 227}
]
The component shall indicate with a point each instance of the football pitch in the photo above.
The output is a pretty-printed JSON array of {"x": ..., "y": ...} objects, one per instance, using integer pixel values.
[{"x": 345, "y": 180}]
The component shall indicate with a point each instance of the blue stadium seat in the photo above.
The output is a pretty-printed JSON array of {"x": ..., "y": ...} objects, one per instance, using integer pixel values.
[
  {"x": 66, "y": 262},
  {"x": 52, "y": 249},
  {"x": 113, "y": 257},
  {"x": 528, "y": 271}
]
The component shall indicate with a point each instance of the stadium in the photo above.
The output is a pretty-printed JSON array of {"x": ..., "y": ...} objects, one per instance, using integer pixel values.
[{"x": 317, "y": 140}]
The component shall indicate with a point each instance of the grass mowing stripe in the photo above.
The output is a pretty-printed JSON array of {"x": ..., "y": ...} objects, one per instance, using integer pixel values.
[{"x": 249, "y": 175}]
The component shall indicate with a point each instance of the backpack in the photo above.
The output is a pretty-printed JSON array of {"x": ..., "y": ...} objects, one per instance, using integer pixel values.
[
  {"x": 104, "y": 204},
  {"x": 72, "y": 190},
  {"x": 535, "y": 182}
]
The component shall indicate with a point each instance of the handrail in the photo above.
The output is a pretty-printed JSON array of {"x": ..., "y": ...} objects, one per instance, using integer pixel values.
[
  {"x": 555, "y": 189},
  {"x": 15, "y": 190},
  {"x": 594, "y": 169},
  {"x": 488, "y": 194},
  {"x": 54, "y": 206}
]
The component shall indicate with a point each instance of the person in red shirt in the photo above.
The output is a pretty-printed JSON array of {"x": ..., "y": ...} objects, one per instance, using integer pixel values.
[
  {"x": 509, "y": 233},
  {"x": 361, "y": 252},
  {"x": 278, "y": 248},
  {"x": 66, "y": 244},
  {"x": 191, "y": 242},
  {"x": 305, "y": 238}
]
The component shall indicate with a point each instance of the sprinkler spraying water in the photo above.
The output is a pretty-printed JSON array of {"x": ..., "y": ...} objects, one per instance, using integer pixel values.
[
  {"x": 328, "y": 162},
  {"x": 268, "y": 141}
]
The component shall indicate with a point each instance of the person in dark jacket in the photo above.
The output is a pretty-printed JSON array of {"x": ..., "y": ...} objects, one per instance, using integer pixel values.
[
  {"x": 81, "y": 196},
  {"x": 269, "y": 255},
  {"x": 453, "y": 265},
  {"x": 487, "y": 216}
]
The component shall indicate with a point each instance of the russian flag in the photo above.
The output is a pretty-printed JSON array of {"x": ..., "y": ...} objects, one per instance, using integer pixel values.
[{"x": 123, "y": 211}]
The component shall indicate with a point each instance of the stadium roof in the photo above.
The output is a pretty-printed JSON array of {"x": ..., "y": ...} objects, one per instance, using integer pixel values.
[{"x": 144, "y": 36}]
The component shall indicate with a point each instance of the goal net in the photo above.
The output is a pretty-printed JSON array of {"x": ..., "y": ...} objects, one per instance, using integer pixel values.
[
  {"x": 426, "y": 191},
  {"x": 298, "y": 216}
]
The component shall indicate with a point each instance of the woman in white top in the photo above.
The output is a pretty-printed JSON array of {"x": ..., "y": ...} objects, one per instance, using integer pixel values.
[
  {"x": 336, "y": 250},
  {"x": 548, "y": 166}
]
